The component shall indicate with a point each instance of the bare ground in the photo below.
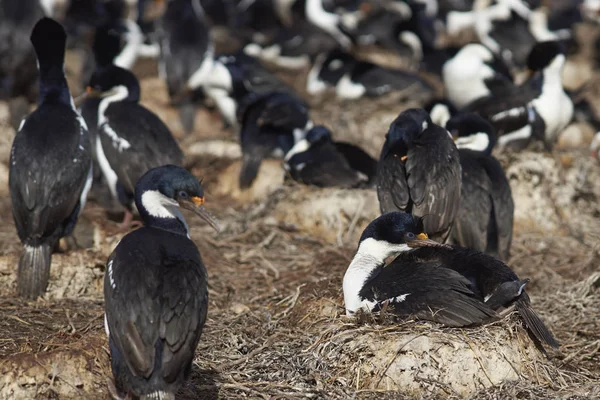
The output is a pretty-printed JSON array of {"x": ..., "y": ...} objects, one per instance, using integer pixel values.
[{"x": 276, "y": 327}]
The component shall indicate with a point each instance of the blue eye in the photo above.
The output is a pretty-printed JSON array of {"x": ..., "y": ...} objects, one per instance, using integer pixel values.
[
  {"x": 183, "y": 194},
  {"x": 410, "y": 235}
]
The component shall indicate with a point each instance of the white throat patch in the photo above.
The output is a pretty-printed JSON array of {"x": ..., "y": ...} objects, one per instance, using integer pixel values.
[
  {"x": 160, "y": 206},
  {"x": 477, "y": 142}
]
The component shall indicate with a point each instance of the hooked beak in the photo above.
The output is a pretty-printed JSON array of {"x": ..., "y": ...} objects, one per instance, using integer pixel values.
[
  {"x": 196, "y": 205},
  {"x": 422, "y": 240}
]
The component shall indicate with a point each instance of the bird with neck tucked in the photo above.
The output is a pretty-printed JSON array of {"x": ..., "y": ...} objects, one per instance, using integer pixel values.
[
  {"x": 451, "y": 285},
  {"x": 155, "y": 289},
  {"x": 419, "y": 172}
]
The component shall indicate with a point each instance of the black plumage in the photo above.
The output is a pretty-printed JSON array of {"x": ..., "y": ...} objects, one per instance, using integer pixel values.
[
  {"x": 485, "y": 215},
  {"x": 537, "y": 109},
  {"x": 272, "y": 122},
  {"x": 186, "y": 55},
  {"x": 419, "y": 172},
  {"x": 155, "y": 289},
  {"x": 130, "y": 138},
  {"x": 448, "y": 284},
  {"x": 49, "y": 165},
  {"x": 318, "y": 160},
  {"x": 353, "y": 78}
]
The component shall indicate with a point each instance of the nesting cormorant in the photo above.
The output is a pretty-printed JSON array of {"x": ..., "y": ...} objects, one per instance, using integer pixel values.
[
  {"x": 271, "y": 124},
  {"x": 485, "y": 215},
  {"x": 419, "y": 172},
  {"x": 317, "y": 160},
  {"x": 130, "y": 138},
  {"x": 451, "y": 285},
  {"x": 50, "y": 164},
  {"x": 155, "y": 289}
]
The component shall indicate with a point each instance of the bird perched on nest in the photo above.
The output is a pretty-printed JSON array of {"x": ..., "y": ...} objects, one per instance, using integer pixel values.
[
  {"x": 50, "y": 164},
  {"x": 271, "y": 124},
  {"x": 452, "y": 285},
  {"x": 317, "y": 160},
  {"x": 186, "y": 53},
  {"x": 485, "y": 216},
  {"x": 419, "y": 172},
  {"x": 353, "y": 79},
  {"x": 155, "y": 289},
  {"x": 130, "y": 138},
  {"x": 538, "y": 108}
]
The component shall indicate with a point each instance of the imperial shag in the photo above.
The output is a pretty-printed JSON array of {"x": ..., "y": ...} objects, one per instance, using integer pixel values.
[
  {"x": 130, "y": 138},
  {"x": 50, "y": 164},
  {"x": 451, "y": 285},
  {"x": 318, "y": 160},
  {"x": 155, "y": 289},
  {"x": 419, "y": 172},
  {"x": 485, "y": 215}
]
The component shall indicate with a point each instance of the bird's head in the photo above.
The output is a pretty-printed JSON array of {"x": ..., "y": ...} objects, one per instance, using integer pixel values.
[
  {"x": 470, "y": 131},
  {"x": 547, "y": 55},
  {"x": 113, "y": 80},
  {"x": 160, "y": 191},
  {"x": 393, "y": 233}
]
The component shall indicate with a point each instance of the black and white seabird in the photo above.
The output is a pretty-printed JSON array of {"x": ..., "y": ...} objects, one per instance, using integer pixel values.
[
  {"x": 485, "y": 216},
  {"x": 339, "y": 23},
  {"x": 155, "y": 289},
  {"x": 474, "y": 73},
  {"x": 187, "y": 54},
  {"x": 130, "y": 138},
  {"x": 353, "y": 79},
  {"x": 419, "y": 172},
  {"x": 539, "y": 108},
  {"x": 317, "y": 160},
  {"x": 451, "y": 285},
  {"x": 50, "y": 164},
  {"x": 270, "y": 126},
  {"x": 235, "y": 77}
]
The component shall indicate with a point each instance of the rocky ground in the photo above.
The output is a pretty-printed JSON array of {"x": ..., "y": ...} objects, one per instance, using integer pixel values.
[{"x": 276, "y": 327}]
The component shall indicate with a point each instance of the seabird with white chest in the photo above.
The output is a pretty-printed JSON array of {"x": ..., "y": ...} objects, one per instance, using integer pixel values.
[
  {"x": 474, "y": 73},
  {"x": 50, "y": 164},
  {"x": 539, "y": 108},
  {"x": 451, "y": 285},
  {"x": 354, "y": 78},
  {"x": 130, "y": 138},
  {"x": 419, "y": 172},
  {"x": 155, "y": 289},
  {"x": 271, "y": 123},
  {"x": 318, "y": 160},
  {"x": 485, "y": 216},
  {"x": 186, "y": 55}
]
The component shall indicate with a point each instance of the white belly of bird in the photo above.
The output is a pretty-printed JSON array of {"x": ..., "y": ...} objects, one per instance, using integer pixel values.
[{"x": 556, "y": 108}]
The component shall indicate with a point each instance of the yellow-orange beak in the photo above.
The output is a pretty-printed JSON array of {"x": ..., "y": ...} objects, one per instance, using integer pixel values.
[
  {"x": 422, "y": 240},
  {"x": 196, "y": 205}
]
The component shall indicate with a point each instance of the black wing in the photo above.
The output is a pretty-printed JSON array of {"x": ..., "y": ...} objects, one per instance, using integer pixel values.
[
  {"x": 378, "y": 80},
  {"x": 50, "y": 162},
  {"x": 434, "y": 180},
  {"x": 143, "y": 142},
  {"x": 503, "y": 205},
  {"x": 392, "y": 186},
  {"x": 322, "y": 165},
  {"x": 428, "y": 291},
  {"x": 155, "y": 302}
]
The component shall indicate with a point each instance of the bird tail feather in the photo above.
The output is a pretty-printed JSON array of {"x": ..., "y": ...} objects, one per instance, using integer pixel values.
[
  {"x": 158, "y": 395},
  {"x": 534, "y": 323},
  {"x": 34, "y": 271},
  {"x": 249, "y": 171}
]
